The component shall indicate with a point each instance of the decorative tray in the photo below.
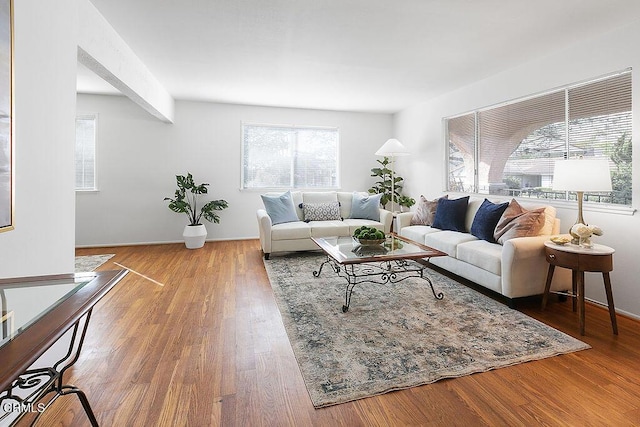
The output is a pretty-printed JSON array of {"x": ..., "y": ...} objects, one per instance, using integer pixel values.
[{"x": 560, "y": 240}]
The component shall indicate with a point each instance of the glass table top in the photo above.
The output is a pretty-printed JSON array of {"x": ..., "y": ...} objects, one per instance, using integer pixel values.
[
  {"x": 348, "y": 250},
  {"x": 23, "y": 303}
]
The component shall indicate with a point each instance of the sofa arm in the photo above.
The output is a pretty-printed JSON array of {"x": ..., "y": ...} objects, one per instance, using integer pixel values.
[
  {"x": 524, "y": 268},
  {"x": 386, "y": 218},
  {"x": 403, "y": 220},
  {"x": 264, "y": 225}
]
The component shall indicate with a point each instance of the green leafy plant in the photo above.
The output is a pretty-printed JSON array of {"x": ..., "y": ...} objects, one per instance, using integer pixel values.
[
  {"x": 186, "y": 201},
  {"x": 383, "y": 185},
  {"x": 368, "y": 233},
  {"x": 406, "y": 201},
  {"x": 621, "y": 176}
]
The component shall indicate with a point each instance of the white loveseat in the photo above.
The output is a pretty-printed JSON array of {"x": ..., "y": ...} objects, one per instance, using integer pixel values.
[
  {"x": 296, "y": 235},
  {"x": 515, "y": 269}
]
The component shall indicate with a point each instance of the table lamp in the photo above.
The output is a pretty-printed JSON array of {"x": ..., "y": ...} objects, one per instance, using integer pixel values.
[
  {"x": 392, "y": 148},
  {"x": 580, "y": 175}
]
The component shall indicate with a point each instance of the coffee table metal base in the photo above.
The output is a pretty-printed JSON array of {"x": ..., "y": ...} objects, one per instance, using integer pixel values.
[{"x": 381, "y": 273}]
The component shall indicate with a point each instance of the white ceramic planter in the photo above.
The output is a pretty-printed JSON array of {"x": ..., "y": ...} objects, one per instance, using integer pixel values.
[{"x": 194, "y": 236}]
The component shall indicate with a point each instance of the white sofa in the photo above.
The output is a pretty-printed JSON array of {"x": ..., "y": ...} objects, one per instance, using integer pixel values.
[
  {"x": 516, "y": 269},
  {"x": 296, "y": 236}
]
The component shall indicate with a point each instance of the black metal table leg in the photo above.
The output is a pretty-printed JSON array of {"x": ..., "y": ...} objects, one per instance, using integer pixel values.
[
  {"x": 383, "y": 273},
  {"x": 31, "y": 388}
]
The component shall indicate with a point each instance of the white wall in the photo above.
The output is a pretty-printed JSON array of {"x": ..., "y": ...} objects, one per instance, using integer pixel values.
[
  {"x": 45, "y": 79},
  {"x": 138, "y": 158},
  {"x": 420, "y": 128}
]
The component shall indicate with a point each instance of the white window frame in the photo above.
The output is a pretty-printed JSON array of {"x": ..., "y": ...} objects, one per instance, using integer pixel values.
[
  {"x": 244, "y": 125},
  {"x": 93, "y": 117},
  {"x": 592, "y": 206}
]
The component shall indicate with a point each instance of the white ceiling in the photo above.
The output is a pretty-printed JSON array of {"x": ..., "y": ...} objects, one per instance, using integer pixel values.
[{"x": 357, "y": 55}]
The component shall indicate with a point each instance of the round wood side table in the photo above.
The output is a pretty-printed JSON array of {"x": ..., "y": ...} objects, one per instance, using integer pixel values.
[{"x": 597, "y": 259}]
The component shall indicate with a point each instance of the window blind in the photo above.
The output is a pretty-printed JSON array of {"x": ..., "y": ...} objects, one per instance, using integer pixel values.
[
  {"x": 289, "y": 157},
  {"x": 518, "y": 142},
  {"x": 86, "y": 153},
  {"x": 600, "y": 126},
  {"x": 462, "y": 140}
]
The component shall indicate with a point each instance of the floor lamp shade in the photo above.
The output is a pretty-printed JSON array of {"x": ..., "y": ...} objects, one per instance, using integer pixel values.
[{"x": 392, "y": 148}]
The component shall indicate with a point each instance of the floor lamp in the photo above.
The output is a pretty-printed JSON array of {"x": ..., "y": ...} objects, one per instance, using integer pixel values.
[
  {"x": 581, "y": 175},
  {"x": 392, "y": 148}
]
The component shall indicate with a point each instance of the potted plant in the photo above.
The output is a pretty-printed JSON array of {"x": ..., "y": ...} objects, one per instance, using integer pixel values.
[
  {"x": 383, "y": 186},
  {"x": 186, "y": 201},
  {"x": 406, "y": 202}
]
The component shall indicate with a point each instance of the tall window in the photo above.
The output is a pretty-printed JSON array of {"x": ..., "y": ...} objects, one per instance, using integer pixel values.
[
  {"x": 289, "y": 157},
  {"x": 511, "y": 149},
  {"x": 85, "y": 153}
]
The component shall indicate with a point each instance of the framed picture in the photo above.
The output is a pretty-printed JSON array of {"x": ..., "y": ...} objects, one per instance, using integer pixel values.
[{"x": 7, "y": 173}]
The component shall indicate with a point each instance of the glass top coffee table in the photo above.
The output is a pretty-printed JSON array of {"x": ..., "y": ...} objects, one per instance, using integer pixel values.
[{"x": 390, "y": 262}]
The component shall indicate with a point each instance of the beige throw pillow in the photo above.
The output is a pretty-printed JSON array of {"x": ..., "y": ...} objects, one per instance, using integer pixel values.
[
  {"x": 426, "y": 211},
  {"x": 517, "y": 221}
]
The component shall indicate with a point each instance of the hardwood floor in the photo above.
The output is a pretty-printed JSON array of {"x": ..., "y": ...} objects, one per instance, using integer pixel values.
[{"x": 208, "y": 348}]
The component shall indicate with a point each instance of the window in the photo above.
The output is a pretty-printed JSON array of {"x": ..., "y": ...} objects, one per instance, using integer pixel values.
[
  {"x": 289, "y": 157},
  {"x": 85, "y": 153},
  {"x": 511, "y": 149}
]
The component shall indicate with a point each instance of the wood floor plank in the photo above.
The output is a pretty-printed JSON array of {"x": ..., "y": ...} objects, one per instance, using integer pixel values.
[{"x": 209, "y": 348}]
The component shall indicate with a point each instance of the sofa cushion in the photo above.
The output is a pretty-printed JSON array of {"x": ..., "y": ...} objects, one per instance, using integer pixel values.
[
  {"x": 517, "y": 221},
  {"x": 319, "y": 197},
  {"x": 549, "y": 216},
  {"x": 328, "y": 228},
  {"x": 549, "y": 220},
  {"x": 417, "y": 232},
  {"x": 486, "y": 219},
  {"x": 483, "y": 254},
  {"x": 365, "y": 207},
  {"x": 297, "y": 202},
  {"x": 345, "y": 198},
  {"x": 447, "y": 241},
  {"x": 426, "y": 211},
  {"x": 321, "y": 211},
  {"x": 291, "y": 230},
  {"x": 280, "y": 208},
  {"x": 472, "y": 209},
  {"x": 450, "y": 214}
]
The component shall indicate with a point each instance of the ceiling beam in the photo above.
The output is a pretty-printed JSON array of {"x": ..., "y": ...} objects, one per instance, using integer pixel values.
[{"x": 102, "y": 50}]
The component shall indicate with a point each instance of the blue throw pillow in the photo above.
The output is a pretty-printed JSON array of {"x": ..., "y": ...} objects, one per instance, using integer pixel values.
[
  {"x": 450, "y": 214},
  {"x": 365, "y": 207},
  {"x": 280, "y": 208},
  {"x": 486, "y": 219}
]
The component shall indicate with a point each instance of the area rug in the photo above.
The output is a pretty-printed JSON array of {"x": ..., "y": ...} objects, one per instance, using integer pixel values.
[
  {"x": 397, "y": 336},
  {"x": 88, "y": 263}
]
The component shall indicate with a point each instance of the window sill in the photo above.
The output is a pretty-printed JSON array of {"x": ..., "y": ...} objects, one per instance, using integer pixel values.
[
  {"x": 591, "y": 207},
  {"x": 94, "y": 191},
  {"x": 563, "y": 204}
]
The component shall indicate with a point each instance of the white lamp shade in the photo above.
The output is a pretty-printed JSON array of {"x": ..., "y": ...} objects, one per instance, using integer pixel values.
[
  {"x": 582, "y": 175},
  {"x": 392, "y": 147}
]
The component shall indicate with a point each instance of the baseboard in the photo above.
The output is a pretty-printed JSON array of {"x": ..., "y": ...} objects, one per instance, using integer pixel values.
[{"x": 169, "y": 242}]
